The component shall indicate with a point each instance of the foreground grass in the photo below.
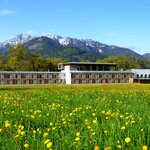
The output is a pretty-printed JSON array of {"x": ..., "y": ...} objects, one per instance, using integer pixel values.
[{"x": 75, "y": 117}]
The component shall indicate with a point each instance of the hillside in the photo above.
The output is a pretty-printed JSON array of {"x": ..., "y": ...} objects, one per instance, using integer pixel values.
[{"x": 69, "y": 48}]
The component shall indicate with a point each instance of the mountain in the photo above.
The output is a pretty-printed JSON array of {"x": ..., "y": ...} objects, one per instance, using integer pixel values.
[
  {"x": 44, "y": 46},
  {"x": 69, "y": 48},
  {"x": 20, "y": 39},
  {"x": 147, "y": 55}
]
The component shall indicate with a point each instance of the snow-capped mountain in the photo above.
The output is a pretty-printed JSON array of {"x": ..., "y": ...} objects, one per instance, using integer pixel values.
[
  {"x": 19, "y": 39},
  {"x": 82, "y": 44}
]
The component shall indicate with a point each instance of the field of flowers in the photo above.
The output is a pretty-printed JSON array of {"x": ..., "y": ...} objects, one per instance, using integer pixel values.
[{"x": 75, "y": 117}]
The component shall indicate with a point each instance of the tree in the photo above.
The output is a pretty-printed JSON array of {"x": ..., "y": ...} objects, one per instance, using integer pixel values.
[
  {"x": 38, "y": 62},
  {"x": 18, "y": 58},
  {"x": 52, "y": 63}
]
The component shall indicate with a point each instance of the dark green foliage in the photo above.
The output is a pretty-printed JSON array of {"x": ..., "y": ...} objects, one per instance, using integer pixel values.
[
  {"x": 77, "y": 54},
  {"x": 43, "y": 46}
]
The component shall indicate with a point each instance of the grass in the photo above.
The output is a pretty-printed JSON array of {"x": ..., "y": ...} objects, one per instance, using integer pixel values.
[{"x": 75, "y": 117}]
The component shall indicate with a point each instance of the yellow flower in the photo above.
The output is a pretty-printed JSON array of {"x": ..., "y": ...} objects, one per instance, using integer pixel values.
[
  {"x": 96, "y": 148},
  {"x": 123, "y": 128},
  {"x": 49, "y": 145},
  {"x": 77, "y": 139},
  {"x": 7, "y": 124},
  {"x": 94, "y": 121},
  {"x": 89, "y": 127},
  {"x": 119, "y": 146},
  {"x": 0, "y": 130},
  {"x": 45, "y": 134},
  {"x": 48, "y": 140},
  {"x": 34, "y": 131},
  {"x": 107, "y": 148},
  {"x": 21, "y": 127},
  {"x": 22, "y": 133},
  {"x": 145, "y": 147},
  {"x": 93, "y": 114},
  {"x": 26, "y": 145},
  {"x": 78, "y": 134},
  {"x": 127, "y": 140},
  {"x": 51, "y": 123}
]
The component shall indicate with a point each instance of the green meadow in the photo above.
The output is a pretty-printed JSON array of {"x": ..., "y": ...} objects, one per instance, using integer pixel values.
[{"x": 75, "y": 117}]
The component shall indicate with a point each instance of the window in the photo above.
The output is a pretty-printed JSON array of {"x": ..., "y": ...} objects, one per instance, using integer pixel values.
[
  {"x": 83, "y": 76},
  {"x": 34, "y": 76},
  {"x": 49, "y": 76},
  {"x": 116, "y": 81},
  {"x": 100, "y": 68},
  {"x": 96, "y": 81},
  {"x": 18, "y": 82},
  {"x": 121, "y": 80},
  {"x": 83, "y": 80},
  {"x": 145, "y": 75},
  {"x": 60, "y": 66},
  {"x": 41, "y": 81},
  {"x": 1, "y": 81},
  {"x": 109, "y": 80},
  {"x": 141, "y": 75},
  {"x": 93, "y": 67},
  {"x": 96, "y": 76},
  {"x": 1, "y": 76},
  {"x": 109, "y": 76},
  {"x": 103, "y": 81},
  {"x": 76, "y": 81}
]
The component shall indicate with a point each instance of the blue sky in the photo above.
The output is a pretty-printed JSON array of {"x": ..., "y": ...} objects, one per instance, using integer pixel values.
[{"x": 124, "y": 23}]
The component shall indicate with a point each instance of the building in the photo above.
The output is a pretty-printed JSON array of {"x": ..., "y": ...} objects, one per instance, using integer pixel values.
[
  {"x": 141, "y": 75},
  {"x": 77, "y": 73}
]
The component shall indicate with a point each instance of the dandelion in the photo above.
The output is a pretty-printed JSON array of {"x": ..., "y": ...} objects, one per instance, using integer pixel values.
[
  {"x": 26, "y": 145},
  {"x": 123, "y": 128},
  {"x": 45, "y": 134},
  {"x": 7, "y": 124},
  {"x": 96, "y": 148},
  {"x": 94, "y": 121},
  {"x": 78, "y": 134},
  {"x": 77, "y": 138},
  {"x": 22, "y": 133},
  {"x": 0, "y": 130},
  {"x": 107, "y": 148},
  {"x": 34, "y": 131},
  {"x": 51, "y": 123},
  {"x": 49, "y": 145},
  {"x": 145, "y": 147},
  {"x": 48, "y": 140},
  {"x": 119, "y": 146},
  {"x": 89, "y": 127},
  {"x": 93, "y": 114},
  {"x": 127, "y": 140}
]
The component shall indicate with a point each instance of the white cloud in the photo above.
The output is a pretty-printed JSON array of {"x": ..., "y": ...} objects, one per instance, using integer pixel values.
[
  {"x": 110, "y": 35},
  {"x": 6, "y": 12}
]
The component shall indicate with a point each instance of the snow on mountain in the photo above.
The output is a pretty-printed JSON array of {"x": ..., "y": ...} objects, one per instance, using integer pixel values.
[
  {"x": 83, "y": 44},
  {"x": 20, "y": 39}
]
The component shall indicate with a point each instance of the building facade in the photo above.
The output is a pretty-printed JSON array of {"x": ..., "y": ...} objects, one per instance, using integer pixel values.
[{"x": 77, "y": 73}]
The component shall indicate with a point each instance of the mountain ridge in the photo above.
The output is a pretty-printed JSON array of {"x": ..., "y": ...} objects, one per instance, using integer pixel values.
[{"x": 54, "y": 45}]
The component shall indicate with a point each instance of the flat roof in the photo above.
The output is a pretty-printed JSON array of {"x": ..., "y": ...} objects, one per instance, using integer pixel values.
[
  {"x": 88, "y": 63},
  {"x": 141, "y": 71},
  {"x": 101, "y": 72},
  {"x": 30, "y": 72}
]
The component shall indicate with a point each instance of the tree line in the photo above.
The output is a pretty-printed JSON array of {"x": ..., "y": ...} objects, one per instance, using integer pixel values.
[{"x": 19, "y": 59}]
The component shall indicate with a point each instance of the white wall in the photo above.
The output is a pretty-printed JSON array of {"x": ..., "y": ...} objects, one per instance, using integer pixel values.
[{"x": 67, "y": 74}]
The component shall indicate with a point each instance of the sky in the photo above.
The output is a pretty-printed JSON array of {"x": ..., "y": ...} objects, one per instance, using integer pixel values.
[{"x": 124, "y": 23}]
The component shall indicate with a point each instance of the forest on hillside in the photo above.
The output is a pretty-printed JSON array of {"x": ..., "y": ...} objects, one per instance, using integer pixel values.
[{"x": 19, "y": 59}]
